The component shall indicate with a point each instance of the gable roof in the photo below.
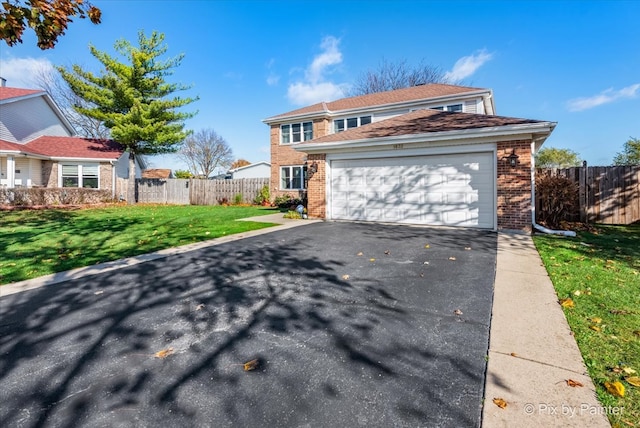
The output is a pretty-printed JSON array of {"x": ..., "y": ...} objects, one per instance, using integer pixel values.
[
  {"x": 251, "y": 165},
  {"x": 11, "y": 95},
  {"x": 433, "y": 91},
  {"x": 75, "y": 147},
  {"x": 7, "y": 93},
  {"x": 156, "y": 173}
]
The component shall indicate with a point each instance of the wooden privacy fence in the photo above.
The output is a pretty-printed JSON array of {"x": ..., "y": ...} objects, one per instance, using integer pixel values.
[
  {"x": 607, "y": 194},
  {"x": 198, "y": 192}
]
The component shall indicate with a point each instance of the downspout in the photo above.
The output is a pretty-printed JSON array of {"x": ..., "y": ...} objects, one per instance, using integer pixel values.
[{"x": 535, "y": 225}]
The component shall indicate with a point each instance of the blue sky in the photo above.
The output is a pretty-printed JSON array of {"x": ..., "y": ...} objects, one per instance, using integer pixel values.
[{"x": 572, "y": 62}]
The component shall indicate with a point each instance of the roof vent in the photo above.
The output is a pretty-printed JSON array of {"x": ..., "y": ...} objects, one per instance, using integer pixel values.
[{"x": 3, "y": 82}]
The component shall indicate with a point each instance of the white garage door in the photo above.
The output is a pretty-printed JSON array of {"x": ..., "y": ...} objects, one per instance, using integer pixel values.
[{"x": 453, "y": 190}]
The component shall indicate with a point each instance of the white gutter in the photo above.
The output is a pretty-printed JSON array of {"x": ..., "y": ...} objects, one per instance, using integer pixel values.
[
  {"x": 535, "y": 225},
  {"x": 496, "y": 131}
]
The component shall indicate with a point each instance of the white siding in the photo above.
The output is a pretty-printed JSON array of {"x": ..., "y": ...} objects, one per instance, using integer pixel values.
[
  {"x": 23, "y": 171},
  {"x": 470, "y": 106},
  {"x": 36, "y": 172},
  {"x": 259, "y": 170},
  {"x": 25, "y": 120}
]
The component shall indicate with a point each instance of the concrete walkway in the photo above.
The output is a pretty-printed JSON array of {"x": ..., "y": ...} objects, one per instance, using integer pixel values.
[{"x": 532, "y": 352}]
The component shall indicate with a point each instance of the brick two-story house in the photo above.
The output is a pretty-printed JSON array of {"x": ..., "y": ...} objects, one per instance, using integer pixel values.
[{"x": 432, "y": 154}]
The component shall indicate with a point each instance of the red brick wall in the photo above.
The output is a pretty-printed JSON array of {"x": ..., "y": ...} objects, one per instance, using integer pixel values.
[
  {"x": 283, "y": 155},
  {"x": 514, "y": 186},
  {"x": 317, "y": 195}
]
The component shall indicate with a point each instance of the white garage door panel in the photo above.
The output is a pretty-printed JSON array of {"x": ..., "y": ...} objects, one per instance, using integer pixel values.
[{"x": 455, "y": 190}]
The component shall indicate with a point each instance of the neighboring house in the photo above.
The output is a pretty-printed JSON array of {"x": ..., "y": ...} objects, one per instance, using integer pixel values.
[
  {"x": 254, "y": 170},
  {"x": 38, "y": 147},
  {"x": 157, "y": 173},
  {"x": 432, "y": 154}
]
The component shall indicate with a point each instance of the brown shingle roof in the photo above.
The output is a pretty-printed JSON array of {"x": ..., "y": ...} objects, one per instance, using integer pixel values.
[
  {"x": 75, "y": 147},
  {"x": 8, "y": 93},
  {"x": 156, "y": 173},
  {"x": 421, "y": 122},
  {"x": 432, "y": 90}
]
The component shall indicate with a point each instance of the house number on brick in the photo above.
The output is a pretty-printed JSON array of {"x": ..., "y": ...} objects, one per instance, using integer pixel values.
[{"x": 397, "y": 146}]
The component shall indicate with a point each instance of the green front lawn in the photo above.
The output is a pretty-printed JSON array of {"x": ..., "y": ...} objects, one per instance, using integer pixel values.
[
  {"x": 40, "y": 242},
  {"x": 600, "y": 272}
]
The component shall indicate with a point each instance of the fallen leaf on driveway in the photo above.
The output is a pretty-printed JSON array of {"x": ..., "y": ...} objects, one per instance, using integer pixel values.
[
  {"x": 387, "y": 252},
  {"x": 615, "y": 388},
  {"x": 360, "y": 254},
  {"x": 500, "y": 402},
  {"x": 567, "y": 303},
  {"x": 372, "y": 260},
  {"x": 425, "y": 263},
  {"x": 427, "y": 246},
  {"x": 452, "y": 258},
  {"x": 99, "y": 292},
  {"x": 633, "y": 380},
  {"x": 200, "y": 307},
  {"x": 250, "y": 365},
  {"x": 164, "y": 353},
  {"x": 457, "y": 312},
  {"x": 345, "y": 277},
  {"x": 467, "y": 248},
  {"x": 573, "y": 383},
  {"x": 513, "y": 354}
]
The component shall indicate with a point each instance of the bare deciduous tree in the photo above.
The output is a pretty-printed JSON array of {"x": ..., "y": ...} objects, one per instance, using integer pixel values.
[
  {"x": 396, "y": 75},
  {"x": 204, "y": 151},
  {"x": 49, "y": 80}
]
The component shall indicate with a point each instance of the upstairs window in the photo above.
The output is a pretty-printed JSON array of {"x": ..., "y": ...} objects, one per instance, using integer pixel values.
[
  {"x": 452, "y": 107},
  {"x": 296, "y": 132},
  {"x": 340, "y": 125}
]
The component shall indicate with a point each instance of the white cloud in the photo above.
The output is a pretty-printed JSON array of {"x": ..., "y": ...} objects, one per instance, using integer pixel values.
[
  {"x": 604, "y": 97},
  {"x": 467, "y": 65},
  {"x": 272, "y": 78},
  {"x": 22, "y": 72},
  {"x": 302, "y": 93},
  {"x": 315, "y": 87}
]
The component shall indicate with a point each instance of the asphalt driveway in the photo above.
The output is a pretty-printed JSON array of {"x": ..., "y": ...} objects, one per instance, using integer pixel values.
[{"x": 351, "y": 324}]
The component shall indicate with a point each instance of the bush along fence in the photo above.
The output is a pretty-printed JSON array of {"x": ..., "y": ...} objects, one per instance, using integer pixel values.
[
  {"x": 43, "y": 196},
  {"x": 609, "y": 194},
  {"x": 199, "y": 192}
]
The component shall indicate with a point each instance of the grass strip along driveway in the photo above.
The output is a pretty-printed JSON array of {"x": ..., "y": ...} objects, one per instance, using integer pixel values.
[
  {"x": 40, "y": 242},
  {"x": 597, "y": 278}
]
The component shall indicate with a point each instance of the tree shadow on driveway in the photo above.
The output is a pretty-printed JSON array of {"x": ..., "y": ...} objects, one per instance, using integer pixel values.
[{"x": 341, "y": 339}]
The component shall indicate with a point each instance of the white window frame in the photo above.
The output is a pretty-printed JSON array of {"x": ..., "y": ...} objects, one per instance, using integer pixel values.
[
  {"x": 291, "y": 168},
  {"x": 345, "y": 121},
  {"x": 80, "y": 176},
  {"x": 304, "y": 135}
]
